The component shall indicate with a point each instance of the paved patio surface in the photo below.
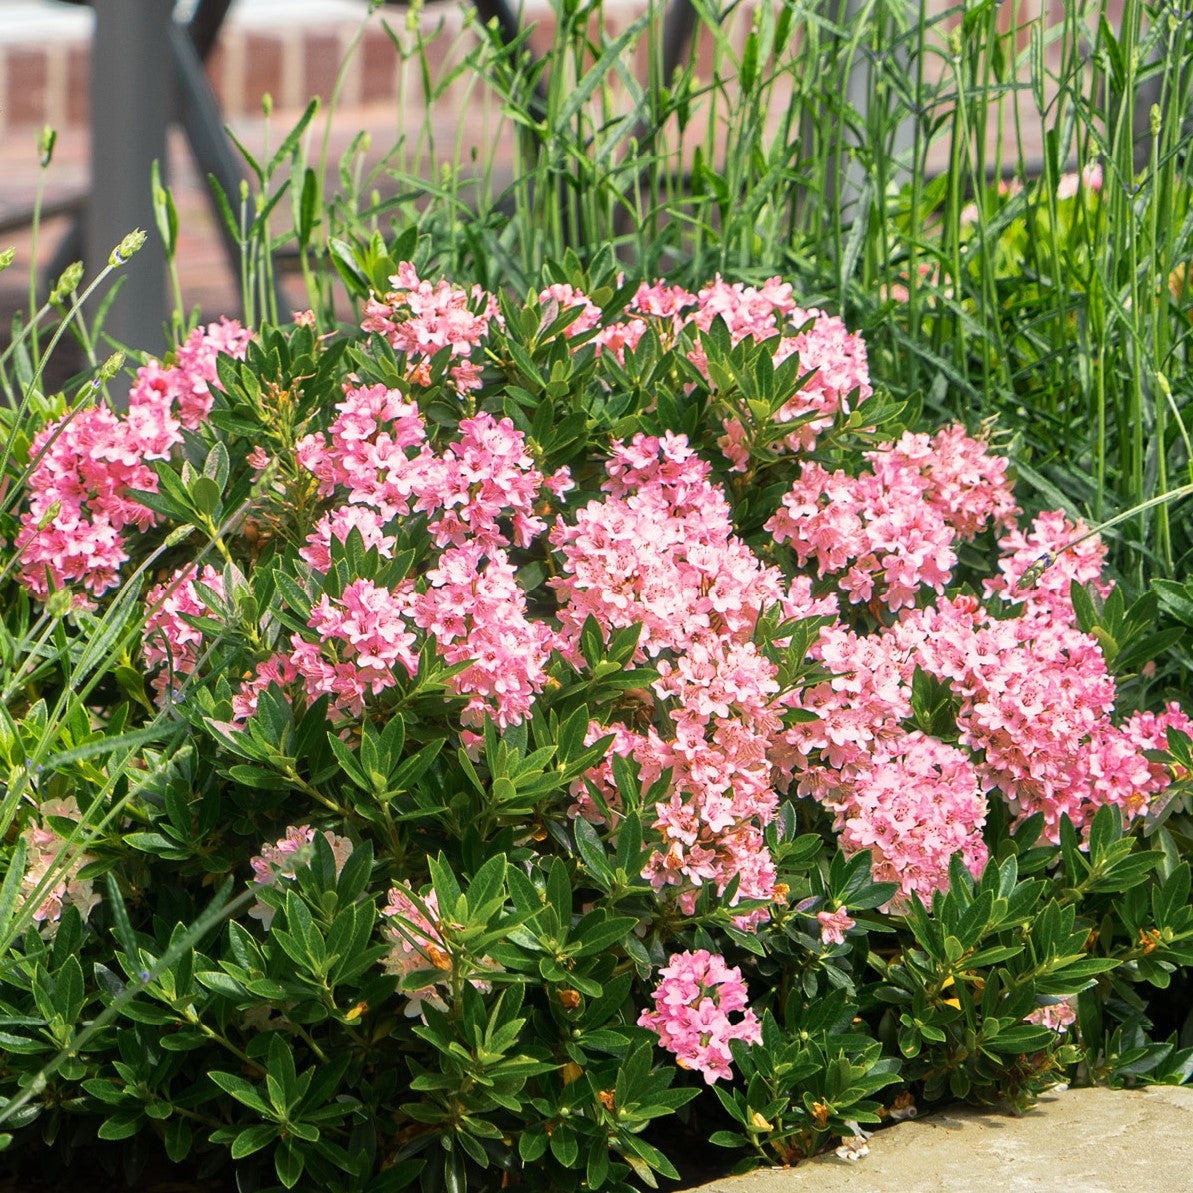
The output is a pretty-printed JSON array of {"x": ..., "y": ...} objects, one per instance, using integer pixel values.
[{"x": 1079, "y": 1141}]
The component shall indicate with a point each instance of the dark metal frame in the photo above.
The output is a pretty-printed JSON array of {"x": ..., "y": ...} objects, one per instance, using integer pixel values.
[{"x": 147, "y": 67}]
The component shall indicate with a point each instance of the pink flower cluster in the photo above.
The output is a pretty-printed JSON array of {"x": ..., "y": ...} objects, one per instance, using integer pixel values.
[
  {"x": 720, "y": 697},
  {"x": 1045, "y": 594},
  {"x": 559, "y": 298},
  {"x": 480, "y": 494},
  {"x": 337, "y": 525},
  {"x": 911, "y": 800},
  {"x": 1033, "y": 703},
  {"x": 282, "y": 858},
  {"x": 89, "y": 461},
  {"x": 421, "y": 319},
  {"x": 693, "y": 1005},
  {"x": 914, "y": 805},
  {"x": 835, "y": 357},
  {"x": 365, "y": 635},
  {"x": 487, "y": 475},
  {"x": 660, "y": 552},
  {"x": 476, "y": 614},
  {"x": 1035, "y": 699},
  {"x": 170, "y": 642},
  {"x": 886, "y": 540},
  {"x": 371, "y": 449},
  {"x": 657, "y": 304},
  {"x": 891, "y": 531}
]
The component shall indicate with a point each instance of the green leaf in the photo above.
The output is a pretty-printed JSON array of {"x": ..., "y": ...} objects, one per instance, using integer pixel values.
[
  {"x": 121, "y": 1126},
  {"x": 591, "y": 849},
  {"x": 289, "y": 1162},
  {"x": 281, "y": 1080},
  {"x": 178, "y": 1139},
  {"x": 11, "y": 886},
  {"x": 120, "y": 923},
  {"x": 258, "y": 778},
  {"x": 1022, "y": 1039},
  {"x": 205, "y": 494},
  {"x": 242, "y": 1091},
  {"x": 253, "y": 1139}
]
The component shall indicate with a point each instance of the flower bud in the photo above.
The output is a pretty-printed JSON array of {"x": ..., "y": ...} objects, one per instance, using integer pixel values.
[
  {"x": 59, "y": 603},
  {"x": 108, "y": 370},
  {"x": 45, "y": 145},
  {"x": 126, "y": 248},
  {"x": 7, "y": 257},
  {"x": 67, "y": 283}
]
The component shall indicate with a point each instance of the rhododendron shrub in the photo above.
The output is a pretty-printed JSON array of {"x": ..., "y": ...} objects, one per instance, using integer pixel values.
[{"x": 571, "y": 707}]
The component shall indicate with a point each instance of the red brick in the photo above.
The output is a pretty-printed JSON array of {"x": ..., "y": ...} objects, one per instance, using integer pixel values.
[
  {"x": 542, "y": 35},
  {"x": 262, "y": 70},
  {"x": 321, "y": 54},
  {"x": 78, "y": 84},
  {"x": 28, "y": 79},
  {"x": 378, "y": 65},
  {"x": 217, "y": 73}
]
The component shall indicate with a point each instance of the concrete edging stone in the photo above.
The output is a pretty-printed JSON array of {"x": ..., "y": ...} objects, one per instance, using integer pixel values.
[{"x": 1076, "y": 1141}]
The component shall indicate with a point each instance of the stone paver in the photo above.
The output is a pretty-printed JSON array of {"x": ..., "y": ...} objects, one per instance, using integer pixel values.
[{"x": 1080, "y": 1141}]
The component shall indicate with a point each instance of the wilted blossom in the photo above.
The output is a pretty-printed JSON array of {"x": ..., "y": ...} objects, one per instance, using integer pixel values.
[
  {"x": 44, "y": 845},
  {"x": 416, "y": 944},
  {"x": 281, "y": 859},
  {"x": 834, "y": 925},
  {"x": 693, "y": 1004},
  {"x": 414, "y": 932},
  {"x": 1059, "y": 1016}
]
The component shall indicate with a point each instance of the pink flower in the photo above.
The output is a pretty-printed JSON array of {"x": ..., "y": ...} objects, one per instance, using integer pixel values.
[
  {"x": 373, "y": 450},
  {"x": 419, "y": 319},
  {"x": 659, "y": 551},
  {"x": 475, "y": 613},
  {"x": 364, "y": 635},
  {"x": 80, "y": 510},
  {"x": 834, "y": 925},
  {"x": 282, "y": 858},
  {"x": 44, "y": 847},
  {"x": 1045, "y": 593},
  {"x": 693, "y": 1004},
  {"x": 559, "y": 298},
  {"x": 486, "y": 475},
  {"x": 277, "y": 669},
  {"x": 338, "y": 525},
  {"x": 171, "y": 645}
]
